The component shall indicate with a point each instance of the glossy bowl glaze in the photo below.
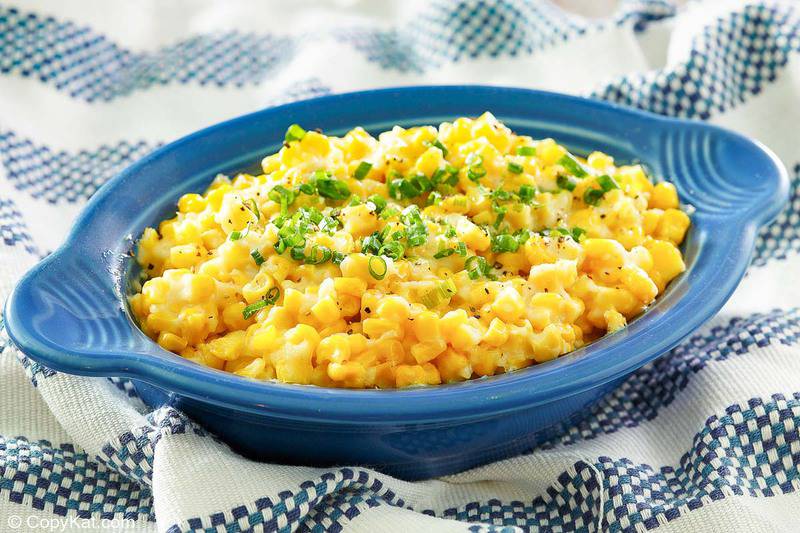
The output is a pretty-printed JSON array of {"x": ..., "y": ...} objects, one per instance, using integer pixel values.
[{"x": 70, "y": 311}]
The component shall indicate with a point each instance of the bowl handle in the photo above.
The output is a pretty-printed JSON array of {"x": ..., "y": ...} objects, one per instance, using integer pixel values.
[
  {"x": 69, "y": 319},
  {"x": 719, "y": 171}
]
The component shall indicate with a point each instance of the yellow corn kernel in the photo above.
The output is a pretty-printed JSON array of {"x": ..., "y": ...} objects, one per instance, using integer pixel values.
[
  {"x": 409, "y": 375},
  {"x": 497, "y": 334},
  {"x": 191, "y": 203},
  {"x": 163, "y": 321},
  {"x": 426, "y": 326},
  {"x": 232, "y": 316},
  {"x": 326, "y": 310},
  {"x": 508, "y": 305},
  {"x": 672, "y": 226},
  {"x": 664, "y": 196},
  {"x": 292, "y": 300},
  {"x": 453, "y": 366},
  {"x": 171, "y": 342},
  {"x": 335, "y": 348},
  {"x": 394, "y": 308},
  {"x": 229, "y": 347},
  {"x": 352, "y": 372},
  {"x": 667, "y": 262},
  {"x": 426, "y": 351},
  {"x": 484, "y": 361},
  {"x": 615, "y": 320},
  {"x": 263, "y": 341},
  {"x": 375, "y": 328},
  {"x": 186, "y": 255},
  {"x": 254, "y": 369},
  {"x": 350, "y": 286},
  {"x": 359, "y": 220},
  {"x": 257, "y": 287}
]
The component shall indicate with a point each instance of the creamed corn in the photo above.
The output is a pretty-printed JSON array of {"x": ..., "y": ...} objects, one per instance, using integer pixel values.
[{"x": 425, "y": 256}]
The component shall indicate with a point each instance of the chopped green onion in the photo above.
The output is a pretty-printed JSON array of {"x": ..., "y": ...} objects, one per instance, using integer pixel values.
[
  {"x": 392, "y": 249},
  {"x": 318, "y": 254},
  {"x": 476, "y": 266},
  {"x": 566, "y": 183},
  {"x": 571, "y": 165},
  {"x": 592, "y": 196},
  {"x": 362, "y": 170},
  {"x": 446, "y": 252},
  {"x": 499, "y": 220},
  {"x": 294, "y": 133},
  {"x": 476, "y": 173},
  {"x": 337, "y": 258},
  {"x": 332, "y": 188},
  {"x": 297, "y": 253},
  {"x": 527, "y": 151},
  {"x": 461, "y": 249},
  {"x": 607, "y": 183},
  {"x": 434, "y": 198},
  {"x": 526, "y": 193},
  {"x": 254, "y": 208},
  {"x": 577, "y": 233},
  {"x": 504, "y": 242},
  {"x": 451, "y": 231},
  {"x": 269, "y": 299},
  {"x": 307, "y": 188},
  {"x": 236, "y": 235},
  {"x": 372, "y": 243},
  {"x": 438, "y": 144},
  {"x": 377, "y": 267},
  {"x": 379, "y": 201},
  {"x": 257, "y": 257},
  {"x": 443, "y": 291},
  {"x": 515, "y": 168}
]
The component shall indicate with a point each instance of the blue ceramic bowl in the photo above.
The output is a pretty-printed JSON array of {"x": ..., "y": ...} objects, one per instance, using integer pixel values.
[{"x": 70, "y": 311}]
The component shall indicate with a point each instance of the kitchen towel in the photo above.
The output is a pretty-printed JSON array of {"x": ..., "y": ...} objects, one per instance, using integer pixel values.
[{"x": 703, "y": 439}]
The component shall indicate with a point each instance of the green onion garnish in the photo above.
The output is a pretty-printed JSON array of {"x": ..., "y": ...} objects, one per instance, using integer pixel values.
[
  {"x": 236, "y": 235},
  {"x": 607, "y": 183},
  {"x": 526, "y": 193},
  {"x": 504, "y": 242},
  {"x": 294, "y": 133},
  {"x": 461, "y": 249},
  {"x": 257, "y": 257},
  {"x": 572, "y": 166},
  {"x": 476, "y": 266},
  {"x": 332, "y": 188},
  {"x": 392, "y": 249},
  {"x": 269, "y": 299},
  {"x": 475, "y": 173},
  {"x": 363, "y": 169},
  {"x": 377, "y": 267},
  {"x": 443, "y": 291},
  {"x": 527, "y": 151},
  {"x": 515, "y": 168},
  {"x": 379, "y": 201},
  {"x": 566, "y": 183},
  {"x": 447, "y": 252},
  {"x": 254, "y": 208},
  {"x": 318, "y": 254},
  {"x": 438, "y": 144},
  {"x": 434, "y": 198},
  {"x": 337, "y": 258},
  {"x": 592, "y": 196}
]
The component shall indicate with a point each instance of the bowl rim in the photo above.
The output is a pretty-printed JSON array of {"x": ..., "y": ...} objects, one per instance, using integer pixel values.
[{"x": 621, "y": 352}]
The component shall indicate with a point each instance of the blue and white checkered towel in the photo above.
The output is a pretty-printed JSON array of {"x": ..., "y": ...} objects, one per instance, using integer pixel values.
[{"x": 703, "y": 439}]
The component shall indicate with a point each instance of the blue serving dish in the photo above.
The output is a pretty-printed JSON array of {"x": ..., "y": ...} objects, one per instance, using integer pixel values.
[{"x": 70, "y": 311}]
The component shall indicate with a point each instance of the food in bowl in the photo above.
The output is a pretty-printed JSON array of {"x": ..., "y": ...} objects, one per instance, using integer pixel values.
[{"x": 425, "y": 256}]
